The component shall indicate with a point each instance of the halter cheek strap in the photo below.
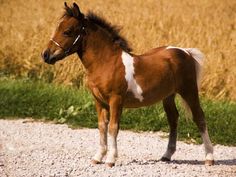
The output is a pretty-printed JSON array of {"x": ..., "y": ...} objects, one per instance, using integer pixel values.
[{"x": 76, "y": 40}]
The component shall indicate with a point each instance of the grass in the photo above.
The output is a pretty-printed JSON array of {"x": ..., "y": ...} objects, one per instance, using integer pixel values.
[
  {"x": 62, "y": 104},
  {"x": 26, "y": 27}
]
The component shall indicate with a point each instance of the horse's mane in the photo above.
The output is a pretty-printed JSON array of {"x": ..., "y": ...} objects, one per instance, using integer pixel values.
[{"x": 113, "y": 30}]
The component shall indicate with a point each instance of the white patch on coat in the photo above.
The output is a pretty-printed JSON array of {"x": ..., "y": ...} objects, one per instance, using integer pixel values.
[
  {"x": 183, "y": 49},
  {"x": 168, "y": 154},
  {"x": 209, "y": 156},
  {"x": 197, "y": 55},
  {"x": 194, "y": 52},
  {"x": 101, "y": 152},
  {"x": 57, "y": 52},
  {"x": 133, "y": 86},
  {"x": 112, "y": 150}
]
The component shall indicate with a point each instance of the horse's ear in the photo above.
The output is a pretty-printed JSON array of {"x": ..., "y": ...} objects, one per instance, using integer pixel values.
[
  {"x": 76, "y": 7},
  {"x": 66, "y": 6}
]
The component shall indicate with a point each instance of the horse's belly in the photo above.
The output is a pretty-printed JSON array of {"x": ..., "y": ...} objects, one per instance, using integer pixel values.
[
  {"x": 148, "y": 99},
  {"x": 136, "y": 104}
]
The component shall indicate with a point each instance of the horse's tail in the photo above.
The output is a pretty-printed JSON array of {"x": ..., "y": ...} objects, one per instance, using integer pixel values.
[{"x": 199, "y": 59}]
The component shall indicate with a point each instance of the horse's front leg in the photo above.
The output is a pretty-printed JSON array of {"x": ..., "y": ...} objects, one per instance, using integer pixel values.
[
  {"x": 102, "y": 125},
  {"x": 115, "y": 105}
]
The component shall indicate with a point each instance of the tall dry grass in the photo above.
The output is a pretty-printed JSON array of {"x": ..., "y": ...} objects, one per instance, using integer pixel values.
[{"x": 210, "y": 25}]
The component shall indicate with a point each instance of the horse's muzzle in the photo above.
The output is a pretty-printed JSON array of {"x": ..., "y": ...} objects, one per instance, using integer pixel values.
[{"x": 47, "y": 57}]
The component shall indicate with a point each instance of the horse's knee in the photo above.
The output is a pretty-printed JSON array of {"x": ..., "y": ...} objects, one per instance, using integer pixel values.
[
  {"x": 102, "y": 126},
  {"x": 113, "y": 129}
]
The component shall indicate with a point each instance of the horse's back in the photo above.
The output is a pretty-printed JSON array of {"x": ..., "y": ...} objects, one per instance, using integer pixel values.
[{"x": 153, "y": 51}]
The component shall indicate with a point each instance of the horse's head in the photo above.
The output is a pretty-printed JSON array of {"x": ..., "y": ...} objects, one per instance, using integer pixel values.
[{"x": 67, "y": 36}]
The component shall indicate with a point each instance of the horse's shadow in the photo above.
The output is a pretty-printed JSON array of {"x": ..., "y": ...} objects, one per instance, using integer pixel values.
[{"x": 228, "y": 162}]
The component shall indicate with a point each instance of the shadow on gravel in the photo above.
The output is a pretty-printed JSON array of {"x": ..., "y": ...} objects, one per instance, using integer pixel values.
[
  {"x": 228, "y": 162},
  {"x": 143, "y": 162}
]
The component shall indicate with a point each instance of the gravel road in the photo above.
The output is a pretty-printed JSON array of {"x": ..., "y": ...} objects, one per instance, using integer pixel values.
[{"x": 42, "y": 149}]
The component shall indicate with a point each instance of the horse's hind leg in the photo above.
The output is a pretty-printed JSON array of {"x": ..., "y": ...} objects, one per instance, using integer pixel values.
[
  {"x": 172, "y": 116},
  {"x": 192, "y": 99}
]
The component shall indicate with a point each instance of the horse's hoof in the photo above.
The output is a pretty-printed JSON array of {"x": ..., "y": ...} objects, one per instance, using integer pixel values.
[
  {"x": 110, "y": 165},
  {"x": 209, "y": 162},
  {"x": 165, "y": 159},
  {"x": 95, "y": 162}
]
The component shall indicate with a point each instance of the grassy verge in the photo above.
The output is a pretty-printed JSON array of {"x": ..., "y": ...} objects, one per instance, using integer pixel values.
[{"x": 25, "y": 98}]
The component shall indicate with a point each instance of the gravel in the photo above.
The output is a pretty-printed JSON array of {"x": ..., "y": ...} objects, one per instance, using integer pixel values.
[{"x": 42, "y": 149}]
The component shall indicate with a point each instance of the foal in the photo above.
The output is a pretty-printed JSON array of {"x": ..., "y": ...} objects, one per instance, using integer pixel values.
[{"x": 120, "y": 79}]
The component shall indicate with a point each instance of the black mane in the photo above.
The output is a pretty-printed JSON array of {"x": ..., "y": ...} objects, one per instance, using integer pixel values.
[{"x": 112, "y": 29}]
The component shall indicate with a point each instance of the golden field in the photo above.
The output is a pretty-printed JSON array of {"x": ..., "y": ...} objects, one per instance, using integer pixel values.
[{"x": 210, "y": 25}]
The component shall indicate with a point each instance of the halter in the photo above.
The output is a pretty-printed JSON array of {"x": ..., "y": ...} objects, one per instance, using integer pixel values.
[{"x": 67, "y": 51}]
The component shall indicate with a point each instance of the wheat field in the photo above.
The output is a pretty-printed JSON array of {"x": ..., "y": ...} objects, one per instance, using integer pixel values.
[{"x": 210, "y": 25}]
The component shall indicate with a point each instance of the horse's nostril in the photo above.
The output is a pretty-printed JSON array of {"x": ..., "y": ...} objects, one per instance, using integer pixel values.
[{"x": 46, "y": 54}]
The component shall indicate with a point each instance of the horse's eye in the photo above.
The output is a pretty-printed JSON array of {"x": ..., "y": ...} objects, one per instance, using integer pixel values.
[{"x": 67, "y": 33}]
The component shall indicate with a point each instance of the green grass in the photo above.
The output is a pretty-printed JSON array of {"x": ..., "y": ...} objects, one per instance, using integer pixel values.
[{"x": 24, "y": 98}]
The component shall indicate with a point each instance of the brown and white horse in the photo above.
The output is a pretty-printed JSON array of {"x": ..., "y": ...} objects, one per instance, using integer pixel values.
[{"x": 117, "y": 78}]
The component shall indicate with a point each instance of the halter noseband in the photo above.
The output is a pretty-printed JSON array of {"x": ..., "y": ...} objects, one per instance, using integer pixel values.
[{"x": 67, "y": 51}]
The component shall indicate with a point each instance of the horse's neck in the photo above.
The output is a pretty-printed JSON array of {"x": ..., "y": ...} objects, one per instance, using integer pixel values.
[{"x": 97, "y": 50}]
